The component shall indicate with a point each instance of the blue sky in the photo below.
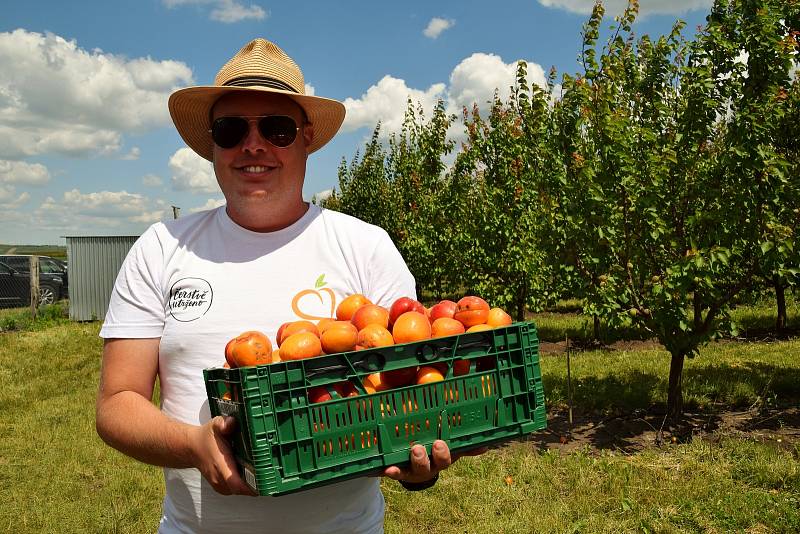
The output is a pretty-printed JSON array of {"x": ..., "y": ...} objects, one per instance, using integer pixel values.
[{"x": 86, "y": 143}]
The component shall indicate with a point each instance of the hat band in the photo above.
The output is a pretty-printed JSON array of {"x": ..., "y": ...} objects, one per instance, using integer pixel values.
[{"x": 263, "y": 81}]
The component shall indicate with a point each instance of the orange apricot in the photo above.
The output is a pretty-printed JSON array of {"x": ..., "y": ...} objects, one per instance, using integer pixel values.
[
  {"x": 471, "y": 310},
  {"x": 411, "y": 326},
  {"x": 479, "y": 328},
  {"x": 374, "y": 383},
  {"x": 428, "y": 374},
  {"x": 498, "y": 317},
  {"x": 445, "y": 326},
  {"x": 339, "y": 337},
  {"x": 346, "y": 308},
  {"x": 250, "y": 348},
  {"x": 374, "y": 335},
  {"x": 297, "y": 327},
  {"x": 370, "y": 314},
  {"x": 300, "y": 345}
]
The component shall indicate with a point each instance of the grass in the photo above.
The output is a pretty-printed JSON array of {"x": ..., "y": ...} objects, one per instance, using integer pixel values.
[
  {"x": 738, "y": 485},
  {"x": 20, "y": 319},
  {"x": 735, "y": 375},
  {"x": 755, "y": 319},
  {"x": 57, "y": 476},
  {"x": 54, "y": 251}
]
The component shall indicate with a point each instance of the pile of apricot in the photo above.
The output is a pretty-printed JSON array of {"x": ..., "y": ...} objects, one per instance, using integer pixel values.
[{"x": 359, "y": 324}]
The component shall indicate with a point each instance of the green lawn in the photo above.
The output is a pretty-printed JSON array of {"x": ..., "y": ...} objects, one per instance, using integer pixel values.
[{"x": 57, "y": 476}]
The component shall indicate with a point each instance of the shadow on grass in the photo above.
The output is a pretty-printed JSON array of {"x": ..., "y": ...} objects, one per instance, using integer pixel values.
[{"x": 626, "y": 413}]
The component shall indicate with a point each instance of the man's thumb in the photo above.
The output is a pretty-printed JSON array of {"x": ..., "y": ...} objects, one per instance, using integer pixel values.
[{"x": 224, "y": 424}]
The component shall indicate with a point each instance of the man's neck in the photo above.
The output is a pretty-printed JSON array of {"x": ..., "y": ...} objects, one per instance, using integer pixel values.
[{"x": 268, "y": 220}]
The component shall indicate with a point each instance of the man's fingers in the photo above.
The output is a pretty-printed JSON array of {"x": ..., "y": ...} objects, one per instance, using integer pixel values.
[
  {"x": 420, "y": 463},
  {"x": 394, "y": 472},
  {"x": 224, "y": 425},
  {"x": 441, "y": 455}
]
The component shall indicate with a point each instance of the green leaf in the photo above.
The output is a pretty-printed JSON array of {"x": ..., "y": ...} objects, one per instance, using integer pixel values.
[
  {"x": 320, "y": 281},
  {"x": 766, "y": 246}
]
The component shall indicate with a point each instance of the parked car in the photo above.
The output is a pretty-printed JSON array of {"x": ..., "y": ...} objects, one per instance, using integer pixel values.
[
  {"x": 15, "y": 287},
  {"x": 48, "y": 265}
]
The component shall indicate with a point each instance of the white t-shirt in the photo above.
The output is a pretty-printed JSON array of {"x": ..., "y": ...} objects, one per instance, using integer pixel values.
[{"x": 199, "y": 281}]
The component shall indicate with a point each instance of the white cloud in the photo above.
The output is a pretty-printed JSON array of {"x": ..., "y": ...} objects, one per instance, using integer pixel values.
[
  {"x": 7, "y": 193},
  {"x": 78, "y": 213},
  {"x": 476, "y": 78},
  {"x": 615, "y": 7},
  {"x": 152, "y": 180},
  {"x": 436, "y": 26},
  {"x": 56, "y": 97},
  {"x": 20, "y": 172},
  {"x": 134, "y": 153},
  {"x": 227, "y": 11},
  {"x": 473, "y": 81},
  {"x": 192, "y": 173},
  {"x": 210, "y": 204},
  {"x": 386, "y": 102}
]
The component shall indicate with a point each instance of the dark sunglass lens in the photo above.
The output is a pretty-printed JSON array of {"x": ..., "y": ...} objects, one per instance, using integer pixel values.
[
  {"x": 278, "y": 130},
  {"x": 227, "y": 132}
]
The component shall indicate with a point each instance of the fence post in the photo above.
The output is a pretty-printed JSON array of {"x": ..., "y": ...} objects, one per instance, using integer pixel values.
[{"x": 34, "y": 270}]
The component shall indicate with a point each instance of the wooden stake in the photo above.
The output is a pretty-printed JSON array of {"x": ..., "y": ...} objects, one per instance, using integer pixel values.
[{"x": 569, "y": 386}]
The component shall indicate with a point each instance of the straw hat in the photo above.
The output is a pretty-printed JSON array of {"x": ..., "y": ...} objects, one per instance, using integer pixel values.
[{"x": 259, "y": 66}]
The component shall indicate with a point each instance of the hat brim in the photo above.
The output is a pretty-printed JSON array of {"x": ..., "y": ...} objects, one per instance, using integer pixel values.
[{"x": 190, "y": 110}]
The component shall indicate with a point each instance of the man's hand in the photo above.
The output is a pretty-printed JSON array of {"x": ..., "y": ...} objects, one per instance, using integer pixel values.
[
  {"x": 423, "y": 468},
  {"x": 214, "y": 457}
]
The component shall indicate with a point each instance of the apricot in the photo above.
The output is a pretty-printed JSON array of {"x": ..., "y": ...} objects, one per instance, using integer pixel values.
[
  {"x": 411, "y": 326},
  {"x": 479, "y": 328},
  {"x": 299, "y": 346},
  {"x": 471, "y": 310},
  {"x": 374, "y": 383},
  {"x": 345, "y": 389},
  {"x": 250, "y": 348},
  {"x": 402, "y": 305},
  {"x": 445, "y": 326},
  {"x": 498, "y": 317},
  {"x": 322, "y": 324},
  {"x": 370, "y": 314},
  {"x": 339, "y": 337},
  {"x": 460, "y": 367},
  {"x": 346, "y": 308},
  {"x": 374, "y": 335},
  {"x": 443, "y": 308},
  {"x": 428, "y": 374},
  {"x": 400, "y": 377},
  {"x": 297, "y": 327}
]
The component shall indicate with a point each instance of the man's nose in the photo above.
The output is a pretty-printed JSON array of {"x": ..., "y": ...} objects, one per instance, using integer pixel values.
[{"x": 253, "y": 141}]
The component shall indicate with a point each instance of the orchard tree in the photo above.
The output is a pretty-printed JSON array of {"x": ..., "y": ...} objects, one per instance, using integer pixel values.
[
  {"x": 504, "y": 157},
  {"x": 364, "y": 190},
  {"x": 670, "y": 174},
  {"x": 416, "y": 170}
]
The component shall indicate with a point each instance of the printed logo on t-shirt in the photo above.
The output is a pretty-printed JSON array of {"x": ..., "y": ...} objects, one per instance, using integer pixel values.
[
  {"x": 315, "y": 304},
  {"x": 189, "y": 299}
]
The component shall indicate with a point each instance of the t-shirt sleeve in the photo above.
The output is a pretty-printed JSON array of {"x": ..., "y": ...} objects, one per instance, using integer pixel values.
[
  {"x": 389, "y": 277},
  {"x": 136, "y": 308}
]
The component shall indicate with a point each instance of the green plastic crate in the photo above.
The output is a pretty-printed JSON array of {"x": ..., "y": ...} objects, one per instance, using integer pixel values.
[{"x": 284, "y": 444}]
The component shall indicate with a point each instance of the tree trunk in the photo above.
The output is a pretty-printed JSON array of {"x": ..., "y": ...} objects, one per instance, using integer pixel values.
[
  {"x": 520, "y": 304},
  {"x": 675, "y": 388},
  {"x": 596, "y": 328},
  {"x": 780, "y": 297}
]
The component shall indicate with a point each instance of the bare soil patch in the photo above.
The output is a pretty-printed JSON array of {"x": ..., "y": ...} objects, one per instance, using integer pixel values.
[{"x": 638, "y": 430}]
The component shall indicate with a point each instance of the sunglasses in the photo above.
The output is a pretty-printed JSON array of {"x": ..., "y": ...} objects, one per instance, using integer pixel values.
[{"x": 279, "y": 130}]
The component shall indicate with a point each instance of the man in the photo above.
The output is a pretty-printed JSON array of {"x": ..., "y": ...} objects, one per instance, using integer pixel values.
[{"x": 189, "y": 285}]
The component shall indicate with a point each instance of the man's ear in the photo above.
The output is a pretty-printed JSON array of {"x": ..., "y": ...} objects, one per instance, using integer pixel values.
[{"x": 308, "y": 134}]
